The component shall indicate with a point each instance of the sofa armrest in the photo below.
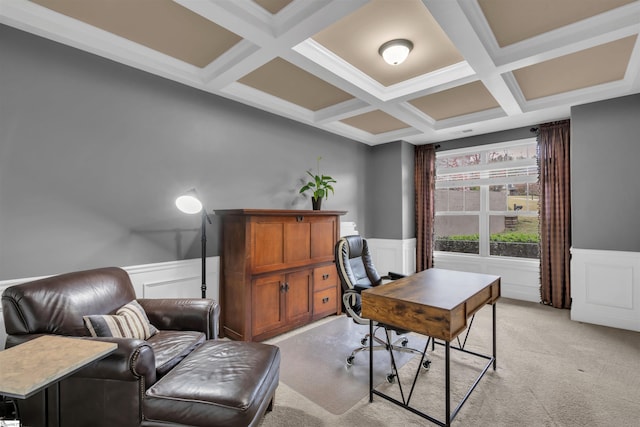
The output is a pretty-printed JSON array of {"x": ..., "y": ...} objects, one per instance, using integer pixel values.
[
  {"x": 183, "y": 314},
  {"x": 132, "y": 360}
]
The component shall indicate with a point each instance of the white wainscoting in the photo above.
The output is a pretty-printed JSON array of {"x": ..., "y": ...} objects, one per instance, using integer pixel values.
[
  {"x": 605, "y": 288},
  {"x": 173, "y": 279},
  {"x": 176, "y": 279},
  {"x": 398, "y": 256},
  {"x": 519, "y": 277}
]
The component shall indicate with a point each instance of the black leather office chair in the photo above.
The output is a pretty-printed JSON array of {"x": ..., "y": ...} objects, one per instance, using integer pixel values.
[{"x": 357, "y": 273}]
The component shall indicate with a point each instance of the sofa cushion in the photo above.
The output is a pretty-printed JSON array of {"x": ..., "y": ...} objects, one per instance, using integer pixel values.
[
  {"x": 138, "y": 317},
  {"x": 130, "y": 321},
  {"x": 170, "y": 347}
]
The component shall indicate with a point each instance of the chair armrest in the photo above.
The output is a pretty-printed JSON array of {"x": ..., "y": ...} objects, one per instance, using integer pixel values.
[
  {"x": 183, "y": 314},
  {"x": 394, "y": 276},
  {"x": 359, "y": 287},
  {"x": 346, "y": 296},
  {"x": 132, "y": 359}
]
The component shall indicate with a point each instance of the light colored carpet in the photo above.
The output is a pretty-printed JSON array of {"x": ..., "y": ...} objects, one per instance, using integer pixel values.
[
  {"x": 551, "y": 372},
  {"x": 314, "y": 361}
]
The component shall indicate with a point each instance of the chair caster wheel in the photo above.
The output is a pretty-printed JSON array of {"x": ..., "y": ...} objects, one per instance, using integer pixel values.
[
  {"x": 349, "y": 361},
  {"x": 363, "y": 341},
  {"x": 426, "y": 364},
  {"x": 391, "y": 378},
  {"x": 404, "y": 342}
]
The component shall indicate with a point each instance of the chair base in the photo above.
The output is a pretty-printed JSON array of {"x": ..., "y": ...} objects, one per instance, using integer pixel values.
[{"x": 399, "y": 345}]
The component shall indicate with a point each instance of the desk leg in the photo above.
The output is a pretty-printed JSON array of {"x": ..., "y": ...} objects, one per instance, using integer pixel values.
[
  {"x": 46, "y": 407},
  {"x": 370, "y": 361},
  {"x": 494, "y": 336},
  {"x": 52, "y": 405},
  {"x": 447, "y": 383},
  {"x": 58, "y": 424}
]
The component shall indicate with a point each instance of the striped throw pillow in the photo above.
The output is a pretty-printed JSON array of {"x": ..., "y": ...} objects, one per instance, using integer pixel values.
[{"x": 130, "y": 321}]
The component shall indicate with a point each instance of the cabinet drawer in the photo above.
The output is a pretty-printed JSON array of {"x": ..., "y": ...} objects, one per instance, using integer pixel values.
[
  {"x": 325, "y": 277},
  {"x": 325, "y": 302}
]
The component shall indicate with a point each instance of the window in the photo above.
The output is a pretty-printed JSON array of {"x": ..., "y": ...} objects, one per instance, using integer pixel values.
[{"x": 486, "y": 200}]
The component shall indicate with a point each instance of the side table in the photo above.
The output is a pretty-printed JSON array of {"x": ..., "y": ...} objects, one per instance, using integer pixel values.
[{"x": 41, "y": 363}]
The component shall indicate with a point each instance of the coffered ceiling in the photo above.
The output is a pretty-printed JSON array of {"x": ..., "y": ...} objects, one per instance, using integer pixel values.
[{"x": 477, "y": 66}]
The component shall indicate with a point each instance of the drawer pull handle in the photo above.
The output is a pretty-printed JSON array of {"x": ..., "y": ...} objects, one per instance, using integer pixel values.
[
  {"x": 325, "y": 300},
  {"x": 299, "y": 218},
  {"x": 325, "y": 276}
]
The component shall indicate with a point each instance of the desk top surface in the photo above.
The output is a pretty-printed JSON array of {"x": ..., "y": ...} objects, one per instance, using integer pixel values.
[
  {"x": 434, "y": 302},
  {"x": 445, "y": 289},
  {"x": 29, "y": 367}
]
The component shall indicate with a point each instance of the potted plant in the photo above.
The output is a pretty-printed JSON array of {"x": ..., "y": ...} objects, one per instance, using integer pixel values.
[{"x": 320, "y": 185}]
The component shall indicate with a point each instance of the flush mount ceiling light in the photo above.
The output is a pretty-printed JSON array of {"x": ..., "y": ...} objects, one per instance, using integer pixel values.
[{"x": 395, "y": 51}]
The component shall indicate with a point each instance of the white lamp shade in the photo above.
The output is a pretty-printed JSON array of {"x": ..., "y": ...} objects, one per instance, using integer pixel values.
[
  {"x": 395, "y": 52},
  {"x": 189, "y": 203}
]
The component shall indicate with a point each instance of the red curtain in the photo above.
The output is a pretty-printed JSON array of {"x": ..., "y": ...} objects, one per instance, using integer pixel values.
[
  {"x": 555, "y": 213},
  {"x": 425, "y": 176}
]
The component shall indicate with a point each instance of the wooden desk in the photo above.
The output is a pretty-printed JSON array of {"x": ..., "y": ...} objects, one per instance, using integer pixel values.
[
  {"x": 37, "y": 364},
  {"x": 436, "y": 303}
]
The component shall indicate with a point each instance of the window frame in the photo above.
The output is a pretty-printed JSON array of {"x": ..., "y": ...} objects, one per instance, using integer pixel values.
[{"x": 484, "y": 182}]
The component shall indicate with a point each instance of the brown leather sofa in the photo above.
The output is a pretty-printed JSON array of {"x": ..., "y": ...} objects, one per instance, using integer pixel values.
[{"x": 182, "y": 375}]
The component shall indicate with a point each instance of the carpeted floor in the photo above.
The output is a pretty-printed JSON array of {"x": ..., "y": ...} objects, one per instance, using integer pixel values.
[{"x": 551, "y": 372}]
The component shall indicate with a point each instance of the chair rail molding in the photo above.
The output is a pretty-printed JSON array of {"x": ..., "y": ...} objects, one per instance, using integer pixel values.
[
  {"x": 172, "y": 279},
  {"x": 605, "y": 288}
]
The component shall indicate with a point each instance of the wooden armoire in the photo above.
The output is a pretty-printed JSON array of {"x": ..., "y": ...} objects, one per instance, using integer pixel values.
[{"x": 277, "y": 270}]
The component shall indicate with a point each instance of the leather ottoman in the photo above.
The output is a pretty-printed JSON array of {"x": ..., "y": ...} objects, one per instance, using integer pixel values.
[{"x": 221, "y": 383}]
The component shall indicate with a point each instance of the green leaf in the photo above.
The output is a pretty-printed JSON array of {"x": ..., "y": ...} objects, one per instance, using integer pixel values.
[{"x": 320, "y": 184}]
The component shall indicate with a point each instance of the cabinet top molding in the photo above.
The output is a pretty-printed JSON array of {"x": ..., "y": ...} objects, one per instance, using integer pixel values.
[{"x": 276, "y": 212}]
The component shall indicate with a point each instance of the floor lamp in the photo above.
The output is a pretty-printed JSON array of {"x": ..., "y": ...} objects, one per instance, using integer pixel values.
[{"x": 190, "y": 203}]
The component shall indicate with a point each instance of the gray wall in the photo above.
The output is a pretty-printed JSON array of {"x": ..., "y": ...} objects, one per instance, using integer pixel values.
[
  {"x": 408, "y": 191},
  {"x": 391, "y": 195},
  {"x": 605, "y": 172},
  {"x": 385, "y": 199},
  {"x": 93, "y": 154}
]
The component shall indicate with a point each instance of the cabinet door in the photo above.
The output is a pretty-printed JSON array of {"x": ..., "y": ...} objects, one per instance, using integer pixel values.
[
  {"x": 323, "y": 239},
  {"x": 297, "y": 241},
  {"x": 267, "y": 303},
  {"x": 267, "y": 239},
  {"x": 298, "y": 303}
]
